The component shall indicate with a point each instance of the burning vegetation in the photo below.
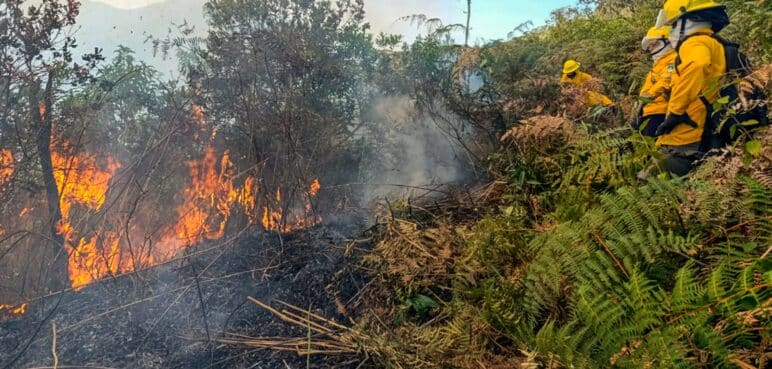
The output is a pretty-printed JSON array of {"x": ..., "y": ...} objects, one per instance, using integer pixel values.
[
  {"x": 197, "y": 223},
  {"x": 211, "y": 197},
  {"x": 6, "y": 166}
]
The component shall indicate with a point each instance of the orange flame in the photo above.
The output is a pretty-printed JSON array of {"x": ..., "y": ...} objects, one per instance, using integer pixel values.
[
  {"x": 209, "y": 200},
  {"x": 315, "y": 186},
  {"x": 208, "y": 203},
  {"x": 198, "y": 113},
  {"x": 82, "y": 182},
  {"x": 14, "y": 310},
  {"x": 21, "y": 309},
  {"x": 275, "y": 220},
  {"x": 95, "y": 259},
  {"x": 7, "y": 165}
]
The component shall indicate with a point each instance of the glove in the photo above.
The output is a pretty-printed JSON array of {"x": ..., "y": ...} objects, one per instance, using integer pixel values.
[{"x": 672, "y": 121}]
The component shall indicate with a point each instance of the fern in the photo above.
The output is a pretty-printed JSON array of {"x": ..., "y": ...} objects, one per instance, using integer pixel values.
[
  {"x": 605, "y": 158},
  {"x": 616, "y": 312},
  {"x": 670, "y": 274}
]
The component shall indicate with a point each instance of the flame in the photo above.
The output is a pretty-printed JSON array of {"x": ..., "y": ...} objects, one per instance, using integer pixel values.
[
  {"x": 82, "y": 182},
  {"x": 14, "y": 310},
  {"x": 95, "y": 259},
  {"x": 276, "y": 220},
  {"x": 20, "y": 310},
  {"x": 7, "y": 166},
  {"x": 315, "y": 186},
  {"x": 209, "y": 200}
]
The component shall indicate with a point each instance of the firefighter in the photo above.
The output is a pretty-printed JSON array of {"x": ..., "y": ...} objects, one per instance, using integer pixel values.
[
  {"x": 656, "y": 87},
  {"x": 699, "y": 68},
  {"x": 572, "y": 75}
]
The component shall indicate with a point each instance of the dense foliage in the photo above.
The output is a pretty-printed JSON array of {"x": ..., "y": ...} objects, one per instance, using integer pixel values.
[
  {"x": 591, "y": 258},
  {"x": 579, "y": 253}
]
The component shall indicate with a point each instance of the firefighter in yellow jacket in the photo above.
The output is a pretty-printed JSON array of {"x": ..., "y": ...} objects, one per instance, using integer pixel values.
[
  {"x": 572, "y": 75},
  {"x": 656, "y": 87},
  {"x": 699, "y": 69}
]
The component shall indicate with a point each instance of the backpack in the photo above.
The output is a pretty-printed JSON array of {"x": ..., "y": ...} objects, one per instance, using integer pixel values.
[{"x": 721, "y": 127}]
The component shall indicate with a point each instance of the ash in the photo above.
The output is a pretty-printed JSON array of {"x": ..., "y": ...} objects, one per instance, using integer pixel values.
[{"x": 171, "y": 316}]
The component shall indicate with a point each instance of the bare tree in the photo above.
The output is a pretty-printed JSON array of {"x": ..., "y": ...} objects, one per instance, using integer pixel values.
[{"x": 37, "y": 56}]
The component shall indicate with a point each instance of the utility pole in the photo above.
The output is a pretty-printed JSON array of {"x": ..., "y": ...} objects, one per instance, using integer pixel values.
[{"x": 468, "y": 17}]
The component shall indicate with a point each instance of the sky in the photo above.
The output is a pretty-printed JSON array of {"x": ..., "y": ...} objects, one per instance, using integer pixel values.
[
  {"x": 128, "y": 4},
  {"x": 109, "y": 23},
  {"x": 491, "y": 19}
]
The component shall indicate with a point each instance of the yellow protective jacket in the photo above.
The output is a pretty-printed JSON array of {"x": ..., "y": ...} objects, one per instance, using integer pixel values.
[
  {"x": 657, "y": 85},
  {"x": 594, "y": 98},
  {"x": 699, "y": 74}
]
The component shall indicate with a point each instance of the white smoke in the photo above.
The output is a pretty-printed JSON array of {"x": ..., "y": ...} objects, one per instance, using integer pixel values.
[{"x": 415, "y": 154}]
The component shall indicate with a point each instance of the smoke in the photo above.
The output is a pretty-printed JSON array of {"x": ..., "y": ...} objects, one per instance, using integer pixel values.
[{"x": 415, "y": 154}]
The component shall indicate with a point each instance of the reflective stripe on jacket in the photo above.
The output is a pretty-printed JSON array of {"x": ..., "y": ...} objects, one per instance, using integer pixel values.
[{"x": 699, "y": 74}]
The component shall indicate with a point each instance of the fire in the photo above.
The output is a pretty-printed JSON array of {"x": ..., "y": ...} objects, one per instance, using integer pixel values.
[
  {"x": 82, "y": 182},
  {"x": 95, "y": 259},
  {"x": 198, "y": 114},
  {"x": 6, "y": 166},
  {"x": 208, "y": 202},
  {"x": 315, "y": 186},
  {"x": 275, "y": 220},
  {"x": 20, "y": 310},
  {"x": 14, "y": 310}
]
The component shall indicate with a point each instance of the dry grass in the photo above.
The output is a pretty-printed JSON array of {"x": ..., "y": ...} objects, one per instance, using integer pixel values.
[
  {"x": 325, "y": 337},
  {"x": 731, "y": 163},
  {"x": 539, "y": 132},
  {"x": 414, "y": 256}
]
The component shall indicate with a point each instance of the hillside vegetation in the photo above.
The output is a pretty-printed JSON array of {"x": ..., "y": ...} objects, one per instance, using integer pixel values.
[
  {"x": 570, "y": 258},
  {"x": 542, "y": 234}
]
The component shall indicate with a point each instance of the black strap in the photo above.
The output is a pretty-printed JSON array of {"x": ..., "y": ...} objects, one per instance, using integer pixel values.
[
  {"x": 666, "y": 42},
  {"x": 708, "y": 140},
  {"x": 681, "y": 42}
]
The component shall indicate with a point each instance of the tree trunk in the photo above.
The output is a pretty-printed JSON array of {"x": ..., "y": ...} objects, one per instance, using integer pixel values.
[{"x": 56, "y": 274}]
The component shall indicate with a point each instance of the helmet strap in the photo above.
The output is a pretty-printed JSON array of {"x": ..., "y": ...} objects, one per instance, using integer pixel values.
[
  {"x": 665, "y": 42},
  {"x": 681, "y": 34}
]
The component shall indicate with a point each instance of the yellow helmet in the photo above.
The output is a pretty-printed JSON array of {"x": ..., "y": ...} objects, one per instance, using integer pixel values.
[
  {"x": 655, "y": 34},
  {"x": 675, "y": 9},
  {"x": 571, "y": 66},
  {"x": 658, "y": 33}
]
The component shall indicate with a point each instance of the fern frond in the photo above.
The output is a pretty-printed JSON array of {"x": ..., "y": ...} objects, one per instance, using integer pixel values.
[{"x": 686, "y": 291}]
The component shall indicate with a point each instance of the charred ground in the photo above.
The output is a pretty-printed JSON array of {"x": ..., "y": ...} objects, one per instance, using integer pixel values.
[{"x": 156, "y": 320}]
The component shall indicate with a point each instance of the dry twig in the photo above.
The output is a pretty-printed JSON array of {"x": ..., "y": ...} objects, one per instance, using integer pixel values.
[{"x": 53, "y": 344}]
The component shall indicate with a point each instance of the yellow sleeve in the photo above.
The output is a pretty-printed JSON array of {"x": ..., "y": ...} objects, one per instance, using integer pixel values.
[
  {"x": 662, "y": 85},
  {"x": 647, "y": 86},
  {"x": 695, "y": 60}
]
